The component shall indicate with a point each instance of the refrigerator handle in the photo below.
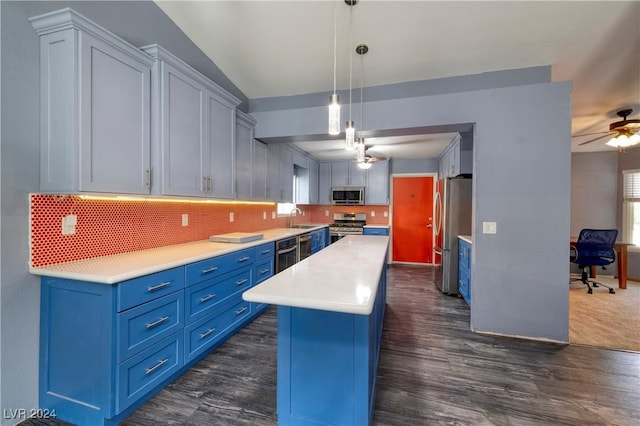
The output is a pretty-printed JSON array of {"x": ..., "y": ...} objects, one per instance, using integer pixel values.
[{"x": 438, "y": 214}]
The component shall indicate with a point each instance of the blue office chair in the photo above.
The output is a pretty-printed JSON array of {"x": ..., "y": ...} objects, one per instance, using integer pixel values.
[{"x": 595, "y": 247}]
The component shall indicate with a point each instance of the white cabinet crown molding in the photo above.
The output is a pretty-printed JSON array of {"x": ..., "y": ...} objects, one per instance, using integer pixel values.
[
  {"x": 68, "y": 18},
  {"x": 158, "y": 52}
]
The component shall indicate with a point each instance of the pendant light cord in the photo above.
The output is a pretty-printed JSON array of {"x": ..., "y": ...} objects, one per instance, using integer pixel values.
[
  {"x": 335, "y": 42},
  {"x": 361, "y": 91},
  {"x": 350, "y": 56}
]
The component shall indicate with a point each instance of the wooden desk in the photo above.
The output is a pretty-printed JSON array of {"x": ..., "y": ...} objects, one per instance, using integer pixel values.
[{"x": 621, "y": 258}]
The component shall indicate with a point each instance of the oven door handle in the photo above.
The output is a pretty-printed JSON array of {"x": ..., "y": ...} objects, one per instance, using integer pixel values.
[
  {"x": 285, "y": 251},
  {"x": 305, "y": 238}
]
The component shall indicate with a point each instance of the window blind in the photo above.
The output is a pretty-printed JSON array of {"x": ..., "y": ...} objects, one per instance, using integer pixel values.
[{"x": 631, "y": 185}]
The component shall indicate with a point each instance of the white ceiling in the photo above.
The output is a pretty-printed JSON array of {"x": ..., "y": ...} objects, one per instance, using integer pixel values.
[{"x": 279, "y": 48}]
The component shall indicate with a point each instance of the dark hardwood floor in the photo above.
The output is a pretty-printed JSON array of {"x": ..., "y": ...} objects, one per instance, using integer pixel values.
[{"x": 433, "y": 370}]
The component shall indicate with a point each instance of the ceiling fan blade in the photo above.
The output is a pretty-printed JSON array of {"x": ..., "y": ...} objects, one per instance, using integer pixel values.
[
  {"x": 590, "y": 134},
  {"x": 594, "y": 139}
]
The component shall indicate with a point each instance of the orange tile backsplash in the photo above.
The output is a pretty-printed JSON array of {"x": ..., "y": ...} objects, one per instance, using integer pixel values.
[{"x": 111, "y": 226}]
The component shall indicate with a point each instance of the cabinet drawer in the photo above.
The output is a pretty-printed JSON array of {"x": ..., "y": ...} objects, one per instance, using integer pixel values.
[
  {"x": 142, "y": 326},
  {"x": 217, "y": 266},
  {"x": 375, "y": 231},
  {"x": 262, "y": 271},
  {"x": 140, "y": 290},
  {"x": 201, "y": 335},
  {"x": 143, "y": 372},
  {"x": 202, "y": 298},
  {"x": 265, "y": 251}
]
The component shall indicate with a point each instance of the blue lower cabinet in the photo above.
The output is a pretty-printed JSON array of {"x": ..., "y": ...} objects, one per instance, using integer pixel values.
[
  {"x": 377, "y": 230},
  {"x": 464, "y": 270},
  {"x": 319, "y": 239},
  {"x": 327, "y": 364},
  {"x": 141, "y": 373},
  {"x": 106, "y": 349}
]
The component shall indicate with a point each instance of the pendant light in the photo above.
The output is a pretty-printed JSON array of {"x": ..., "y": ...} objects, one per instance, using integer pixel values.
[
  {"x": 350, "y": 130},
  {"x": 334, "y": 99},
  {"x": 361, "y": 50}
]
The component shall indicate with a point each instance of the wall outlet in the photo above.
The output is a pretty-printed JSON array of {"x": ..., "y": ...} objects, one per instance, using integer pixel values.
[
  {"x": 231, "y": 217},
  {"x": 264, "y": 215},
  {"x": 326, "y": 212},
  {"x": 185, "y": 219},
  {"x": 386, "y": 213},
  {"x": 489, "y": 227},
  {"x": 69, "y": 223},
  {"x": 373, "y": 213},
  {"x": 273, "y": 215}
]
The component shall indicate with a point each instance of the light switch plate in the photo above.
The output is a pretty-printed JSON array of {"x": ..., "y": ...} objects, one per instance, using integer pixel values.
[
  {"x": 273, "y": 215},
  {"x": 373, "y": 213},
  {"x": 264, "y": 215},
  {"x": 386, "y": 213},
  {"x": 231, "y": 217},
  {"x": 185, "y": 219},
  {"x": 489, "y": 228},
  {"x": 69, "y": 223}
]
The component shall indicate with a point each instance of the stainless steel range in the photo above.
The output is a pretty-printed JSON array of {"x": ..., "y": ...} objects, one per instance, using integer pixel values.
[{"x": 346, "y": 224}]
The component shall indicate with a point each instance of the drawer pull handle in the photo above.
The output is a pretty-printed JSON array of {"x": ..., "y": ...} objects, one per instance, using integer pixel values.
[
  {"x": 158, "y": 286},
  {"x": 244, "y": 259},
  {"x": 208, "y": 271},
  {"x": 156, "y": 322},
  {"x": 158, "y": 365},
  {"x": 264, "y": 271},
  {"x": 265, "y": 251},
  {"x": 207, "y": 297},
  {"x": 242, "y": 281},
  {"x": 206, "y": 333},
  {"x": 240, "y": 311}
]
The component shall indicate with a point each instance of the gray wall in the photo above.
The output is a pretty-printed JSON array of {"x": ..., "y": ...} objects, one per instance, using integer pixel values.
[
  {"x": 140, "y": 23},
  {"x": 521, "y": 181},
  {"x": 414, "y": 165},
  {"x": 594, "y": 189}
]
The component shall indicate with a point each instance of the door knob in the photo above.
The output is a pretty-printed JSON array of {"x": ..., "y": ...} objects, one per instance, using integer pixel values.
[{"x": 429, "y": 226}]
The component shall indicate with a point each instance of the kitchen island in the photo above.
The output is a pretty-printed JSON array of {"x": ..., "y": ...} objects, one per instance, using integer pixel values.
[{"x": 330, "y": 315}]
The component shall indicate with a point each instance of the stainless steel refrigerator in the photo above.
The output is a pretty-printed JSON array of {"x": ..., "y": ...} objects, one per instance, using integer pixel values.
[{"x": 452, "y": 218}]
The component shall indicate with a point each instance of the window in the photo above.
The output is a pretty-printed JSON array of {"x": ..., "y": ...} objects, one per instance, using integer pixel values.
[
  {"x": 284, "y": 209},
  {"x": 631, "y": 206}
]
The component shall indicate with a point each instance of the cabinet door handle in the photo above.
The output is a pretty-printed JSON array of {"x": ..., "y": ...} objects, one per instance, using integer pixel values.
[
  {"x": 156, "y": 323},
  {"x": 264, "y": 271},
  {"x": 147, "y": 181},
  {"x": 208, "y": 271},
  {"x": 205, "y": 186},
  {"x": 207, "y": 297},
  {"x": 265, "y": 251},
  {"x": 206, "y": 333},
  {"x": 242, "y": 281},
  {"x": 155, "y": 367},
  {"x": 244, "y": 259},
  {"x": 210, "y": 189},
  {"x": 158, "y": 286},
  {"x": 240, "y": 311}
]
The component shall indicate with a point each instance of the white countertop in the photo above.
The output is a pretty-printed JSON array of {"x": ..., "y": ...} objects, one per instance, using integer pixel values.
[
  {"x": 467, "y": 238},
  {"x": 343, "y": 277},
  {"x": 125, "y": 266},
  {"x": 376, "y": 226}
]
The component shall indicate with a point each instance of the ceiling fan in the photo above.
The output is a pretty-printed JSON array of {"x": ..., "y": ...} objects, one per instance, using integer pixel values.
[
  {"x": 626, "y": 128},
  {"x": 367, "y": 160}
]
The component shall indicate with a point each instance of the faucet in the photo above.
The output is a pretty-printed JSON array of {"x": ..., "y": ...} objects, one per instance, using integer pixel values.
[{"x": 291, "y": 216}]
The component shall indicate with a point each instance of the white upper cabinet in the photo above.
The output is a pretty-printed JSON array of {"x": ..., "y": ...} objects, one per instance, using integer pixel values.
[
  {"x": 313, "y": 181},
  {"x": 347, "y": 173},
  {"x": 280, "y": 173},
  {"x": 244, "y": 155},
  {"x": 95, "y": 108},
  {"x": 259, "y": 185},
  {"x": 457, "y": 158},
  {"x": 324, "y": 183},
  {"x": 377, "y": 188},
  {"x": 193, "y": 130}
]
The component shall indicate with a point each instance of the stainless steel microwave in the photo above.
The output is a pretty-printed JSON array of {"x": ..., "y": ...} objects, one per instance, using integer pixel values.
[{"x": 347, "y": 195}]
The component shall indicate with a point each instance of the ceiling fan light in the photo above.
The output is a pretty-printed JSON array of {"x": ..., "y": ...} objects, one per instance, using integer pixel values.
[
  {"x": 613, "y": 142},
  {"x": 334, "y": 114},
  {"x": 634, "y": 139},
  {"x": 623, "y": 141},
  {"x": 350, "y": 139},
  {"x": 365, "y": 165}
]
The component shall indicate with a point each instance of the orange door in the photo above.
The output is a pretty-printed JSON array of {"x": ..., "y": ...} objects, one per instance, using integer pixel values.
[{"x": 412, "y": 224}]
